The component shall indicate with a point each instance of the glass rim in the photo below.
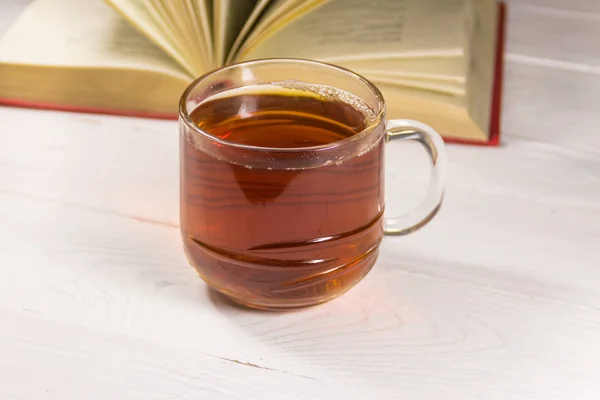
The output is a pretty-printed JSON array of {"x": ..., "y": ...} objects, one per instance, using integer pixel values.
[{"x": 184, "y": 115}]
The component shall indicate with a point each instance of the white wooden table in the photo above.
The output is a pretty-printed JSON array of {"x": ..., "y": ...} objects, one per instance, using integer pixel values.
[{"x": 498, "y": 298}]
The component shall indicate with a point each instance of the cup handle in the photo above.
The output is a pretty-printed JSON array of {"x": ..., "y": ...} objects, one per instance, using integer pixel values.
[{"x": 402, "y": 129}]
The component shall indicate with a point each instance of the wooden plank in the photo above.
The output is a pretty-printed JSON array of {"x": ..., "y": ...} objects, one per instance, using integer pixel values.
[
  {"x": 554, "y": 34},
  {"x": 572, "y": 5},
  {"x": 44, "y": 360},
  {"x": 554, "y": 106},
  {"x": 119, "y": 281}
]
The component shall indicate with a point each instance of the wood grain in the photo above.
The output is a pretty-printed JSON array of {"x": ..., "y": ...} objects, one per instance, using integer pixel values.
[
  {"x": 499, "y": 298},
  {"x": 66, "y": 362},
  {"x": 428, "y": 336}
]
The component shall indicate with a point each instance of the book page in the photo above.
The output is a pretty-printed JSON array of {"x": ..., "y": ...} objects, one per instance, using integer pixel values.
[
  {"x": 138, "y": 13},
  {"x": 257, "y": 13},
  {"x": 229, "y": 19},
  {"x": 83, "y": 34},
  {"x": 369, "y": 29},
  {"x": 76, "y": 54},
  {"x": 450, "y": 88},
  {"x": 444, "y": 112},
  {"x": 278, "y": 14},
  {"x": 202, "y": 36},
  {"x": 204, "y": 12},
  {"x": 177, "y": 22},
  {"x": 482, "y": 32},
  {"x": 163, "y": 26},
  {"x": 435, "y": 68}
]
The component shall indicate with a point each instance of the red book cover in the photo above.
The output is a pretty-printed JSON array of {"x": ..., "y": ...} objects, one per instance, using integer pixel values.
[{"x": 495, "y": 123}]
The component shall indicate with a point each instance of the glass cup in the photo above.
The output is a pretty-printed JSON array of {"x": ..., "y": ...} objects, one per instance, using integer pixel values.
[{"x": 286, "y": 227}]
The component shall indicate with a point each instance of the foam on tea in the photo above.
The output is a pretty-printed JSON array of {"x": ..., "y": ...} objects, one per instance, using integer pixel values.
[{"x": 303, "y": 234}]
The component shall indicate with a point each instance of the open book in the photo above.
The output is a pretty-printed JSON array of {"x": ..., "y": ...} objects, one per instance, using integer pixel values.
[{"x": 438, "y": 61}]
